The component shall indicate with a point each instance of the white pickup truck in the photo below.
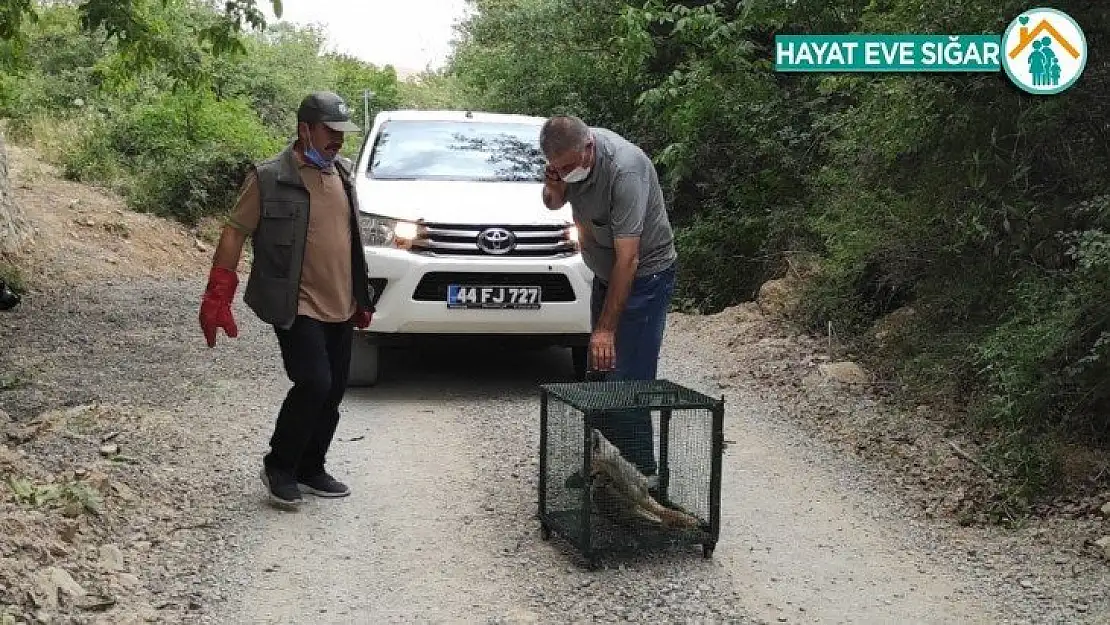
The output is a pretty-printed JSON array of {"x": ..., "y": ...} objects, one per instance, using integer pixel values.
[{"x": 458, "y": 241}]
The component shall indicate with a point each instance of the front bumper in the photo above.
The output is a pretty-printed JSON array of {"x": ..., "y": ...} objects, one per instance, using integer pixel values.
[{"x": 411, "y": 294}]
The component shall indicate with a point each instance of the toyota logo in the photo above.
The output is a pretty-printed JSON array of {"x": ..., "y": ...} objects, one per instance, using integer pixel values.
[{"x": 496, "y": 241}]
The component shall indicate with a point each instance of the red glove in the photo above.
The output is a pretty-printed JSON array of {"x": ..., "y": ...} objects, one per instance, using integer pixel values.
[
  {"x": 215, "y": 307},
  {"x": 362, "y": 319}
]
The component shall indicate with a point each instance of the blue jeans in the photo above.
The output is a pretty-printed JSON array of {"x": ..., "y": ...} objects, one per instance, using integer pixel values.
[{"x": 639, "y": 338}]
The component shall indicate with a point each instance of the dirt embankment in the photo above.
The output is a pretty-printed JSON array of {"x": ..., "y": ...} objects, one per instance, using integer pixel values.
[{"x": 85, "y": 235}]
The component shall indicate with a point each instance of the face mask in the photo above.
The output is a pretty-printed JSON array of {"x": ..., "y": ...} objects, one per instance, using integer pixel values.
[
  {"x": 316, "y": 158},
  {"x": 578, "y": 175}
]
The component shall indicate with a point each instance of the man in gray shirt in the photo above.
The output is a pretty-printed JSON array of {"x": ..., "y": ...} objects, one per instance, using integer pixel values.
[{"x": 628, "y": 243}]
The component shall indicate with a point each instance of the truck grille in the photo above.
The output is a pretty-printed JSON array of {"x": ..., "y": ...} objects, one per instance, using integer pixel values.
[
  {"x": 555, "y": 287},
  {"x": 491, "y": 240}
]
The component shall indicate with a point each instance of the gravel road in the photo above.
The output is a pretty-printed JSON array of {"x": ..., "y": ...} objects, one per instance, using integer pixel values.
[{"x": 440, "y": 526}]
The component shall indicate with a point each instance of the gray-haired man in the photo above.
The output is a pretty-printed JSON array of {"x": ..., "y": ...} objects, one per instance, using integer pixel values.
[{"x": 628, "y": 243}]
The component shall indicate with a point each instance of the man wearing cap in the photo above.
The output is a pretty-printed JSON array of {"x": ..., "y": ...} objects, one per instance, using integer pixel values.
[{"x": 307, "y": 280}]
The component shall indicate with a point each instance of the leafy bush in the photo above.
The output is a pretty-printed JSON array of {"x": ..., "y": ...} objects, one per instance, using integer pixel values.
[
  {"x": 197, "y": 185},
  {"x": 174, "y": 124},
  {"x": 191, "y": 152},
  {"x": 90, "y": 157}
]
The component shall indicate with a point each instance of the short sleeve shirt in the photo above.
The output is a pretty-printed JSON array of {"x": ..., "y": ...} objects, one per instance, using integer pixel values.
[
  {"x": 621, "y": 197},
  {"x": 326, "y": 291}
]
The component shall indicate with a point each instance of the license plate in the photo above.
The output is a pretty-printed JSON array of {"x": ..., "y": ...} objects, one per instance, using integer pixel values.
[{"x": 515, "y": 297}]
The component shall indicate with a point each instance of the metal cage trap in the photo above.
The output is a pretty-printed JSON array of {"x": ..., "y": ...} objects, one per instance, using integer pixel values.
[{"x": 630, "y": 465}]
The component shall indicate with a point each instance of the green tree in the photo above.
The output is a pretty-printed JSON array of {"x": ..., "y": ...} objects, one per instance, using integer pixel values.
[
  {"x": 545, "y": 56},
  {"x": 134, "y": 23}
]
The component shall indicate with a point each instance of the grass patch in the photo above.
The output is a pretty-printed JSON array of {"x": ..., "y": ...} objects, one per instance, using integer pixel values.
[
  {"x": 13, "y": 380},
  {"x": 52, "y": 136},
  {"x": 13, "y": 277},
  {"x": 72, "y": 497}
]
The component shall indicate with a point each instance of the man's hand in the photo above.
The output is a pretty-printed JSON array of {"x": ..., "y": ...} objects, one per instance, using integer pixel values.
[
  {"x": 554, "y": 189},
  {"x": 362, "y": 319},
  {"x": 603, "y": 350},
  {"x": 215, "y": 306}
]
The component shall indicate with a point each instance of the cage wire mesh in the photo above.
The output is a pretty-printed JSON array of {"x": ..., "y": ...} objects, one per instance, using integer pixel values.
[
  {"x": 690, "y": 462},
  {"x": 564, "y": 454},
  {"x": 668, "y": 434}
]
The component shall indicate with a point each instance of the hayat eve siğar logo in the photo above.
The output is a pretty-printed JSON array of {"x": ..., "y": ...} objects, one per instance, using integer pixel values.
[{"x": 1044, "y": 51}]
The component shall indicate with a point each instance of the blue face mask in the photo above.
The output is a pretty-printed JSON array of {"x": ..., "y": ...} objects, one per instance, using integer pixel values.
[{"x": 316, "y": 158}]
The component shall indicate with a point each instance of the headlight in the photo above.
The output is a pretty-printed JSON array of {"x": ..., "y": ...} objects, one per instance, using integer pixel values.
[
  {"x": 380, "y": 231},
  {"x": 406, "y": 230},
  {"x": 572, "y": 236}
]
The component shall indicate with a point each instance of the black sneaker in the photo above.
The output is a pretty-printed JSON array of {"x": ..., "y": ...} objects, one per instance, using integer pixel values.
[
  {"x": 323, "y": 485},
  {"x": 282, "y": 488}
]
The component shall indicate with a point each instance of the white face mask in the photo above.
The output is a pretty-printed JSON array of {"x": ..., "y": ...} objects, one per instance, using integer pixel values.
[{"x": 578, "y": 175}]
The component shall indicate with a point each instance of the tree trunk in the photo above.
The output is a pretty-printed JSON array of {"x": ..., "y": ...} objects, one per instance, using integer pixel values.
[{"x": 15, "y": 231}]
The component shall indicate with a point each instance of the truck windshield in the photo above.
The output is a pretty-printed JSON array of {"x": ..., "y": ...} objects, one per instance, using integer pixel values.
[{"x": 457, "y": 150}]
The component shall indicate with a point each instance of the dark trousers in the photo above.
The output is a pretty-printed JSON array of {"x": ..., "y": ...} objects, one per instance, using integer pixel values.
[
  {"x": 639, "y": 337},
  {"x": 317, "y": 359}
]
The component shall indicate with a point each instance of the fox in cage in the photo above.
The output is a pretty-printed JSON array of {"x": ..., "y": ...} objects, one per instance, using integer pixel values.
[{"x": 620, "y": 490}]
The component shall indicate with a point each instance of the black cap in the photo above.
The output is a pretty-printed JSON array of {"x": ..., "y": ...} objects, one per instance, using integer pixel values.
[{"x": 326, "y": 108}]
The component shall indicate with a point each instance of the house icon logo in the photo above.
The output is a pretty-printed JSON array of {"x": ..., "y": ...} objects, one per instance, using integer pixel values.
[{"x": 1044, "y": 51}]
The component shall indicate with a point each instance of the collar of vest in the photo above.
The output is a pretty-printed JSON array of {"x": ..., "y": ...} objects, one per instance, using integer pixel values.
[{"x": 289, "y": 171}]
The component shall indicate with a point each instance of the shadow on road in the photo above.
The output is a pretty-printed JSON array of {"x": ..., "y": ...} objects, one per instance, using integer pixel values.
[{"x": 467, "y": 369}]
